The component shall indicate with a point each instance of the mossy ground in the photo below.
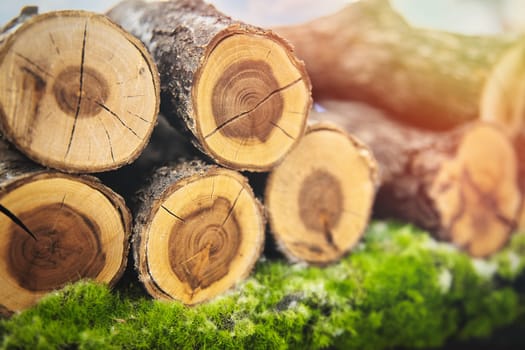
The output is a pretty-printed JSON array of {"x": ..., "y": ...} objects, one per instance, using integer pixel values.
[{"x": 399, "y": 288}]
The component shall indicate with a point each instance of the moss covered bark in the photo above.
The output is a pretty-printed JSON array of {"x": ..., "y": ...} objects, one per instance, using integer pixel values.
[{"x": 399, "y": 288}]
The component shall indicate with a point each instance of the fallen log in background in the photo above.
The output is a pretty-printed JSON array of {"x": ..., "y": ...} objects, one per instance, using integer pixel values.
[
  {"x": 503, "y": 97},
  {"x": 198, "y": 231},
  {"x": 503, "y": 102},
  {"x": 461, "y": 185},
  {"x": 319, "y": 199},
  {"x": 78, "y": 93},
  {"x": 56, "y": 229},
  {"x": 239, "y": 89},
  {"x": 428, "y": 78}
]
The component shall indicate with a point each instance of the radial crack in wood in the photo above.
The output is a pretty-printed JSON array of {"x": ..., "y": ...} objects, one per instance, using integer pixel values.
[
  {"x": 17, "y": 221},
  {"x": 78, "y": 229},
  {"x": 320, "y": 197},
  {"x": 229, "y": 83},
  {"x": 199, "y": 230},
  {"x": 461, "y": 185},
  {"x": 69, "y": 72}
]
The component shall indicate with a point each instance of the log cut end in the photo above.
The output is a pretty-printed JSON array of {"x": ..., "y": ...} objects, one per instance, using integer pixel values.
[
  {"x": 78, "y": 93},
  {"x": 203, "y": 236},
  {"x": 251, "y": 97},
  {"x": 476, "y": 191},
  {"x": 319, "y": 198},
  {"x": 503, "y": 98},
  {"x": 57, "y": 230}
]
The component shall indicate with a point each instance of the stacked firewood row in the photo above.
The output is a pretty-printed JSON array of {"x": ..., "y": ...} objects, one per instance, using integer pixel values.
[{"x": 80, "y": 94}]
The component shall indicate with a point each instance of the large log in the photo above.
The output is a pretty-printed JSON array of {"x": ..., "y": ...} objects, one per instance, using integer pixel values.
[
  {"x": 461, "y": 185},
  {"x": 198, "y": 231},
  {"x": 77, "y": 93},
  {"x": 56, "y": 229},
  {"x": 320, "y": 197},
  {"x": 238, "y": 89},
  {"x": 428, "y": 78}
]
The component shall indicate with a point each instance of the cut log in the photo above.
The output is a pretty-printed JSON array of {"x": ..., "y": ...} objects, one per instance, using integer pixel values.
[
  {"x": 503, "y": 102},
  {"x": 368, "y": 52},
  {"x": 320, "y": 197},
  {"x": 238, "y": 89},
  {"x": 461, "y": 185},
  {"x": 77, "y": 92},
  {"x": 198, "y": 231},
  {"x": 56, "y": 229},
  {"x": 503, "y": 97}
]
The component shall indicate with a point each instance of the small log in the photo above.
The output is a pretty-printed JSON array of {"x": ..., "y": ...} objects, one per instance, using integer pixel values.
[
  {"x": 56, "y": 229},
  {"x": 198, "y": 231},
  {"x": 503, "y": 97},
  {"x": 320, "y": 197},
  {"x": 461, "y": 185},
  {"x": 239, "y": 89},
  {"x": 427, "y": 78},
  {"x": 78, "y": 93}
]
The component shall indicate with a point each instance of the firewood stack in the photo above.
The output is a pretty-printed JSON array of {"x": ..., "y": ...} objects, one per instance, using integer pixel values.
[{"x": 80, "y": 94}]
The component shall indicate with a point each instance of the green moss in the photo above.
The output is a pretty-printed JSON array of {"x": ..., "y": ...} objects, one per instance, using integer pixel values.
[{"x": 399, "y": 288}]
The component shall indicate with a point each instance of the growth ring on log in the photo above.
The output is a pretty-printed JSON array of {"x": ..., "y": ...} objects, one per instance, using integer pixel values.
[
  {"x": 78, "y": 93},
  {"x": 68, "y": 229},
  {"x": 251, "y": 97},
  {"x": 203, "y": 236},
  {"x": 320, "y": 197}
]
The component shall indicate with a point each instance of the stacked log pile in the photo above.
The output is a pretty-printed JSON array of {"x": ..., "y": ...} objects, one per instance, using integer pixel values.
[
  {"x": 79, "y": 94},
  {"x": 462, "y": 185},
  {"x": 427, "y": 79}
]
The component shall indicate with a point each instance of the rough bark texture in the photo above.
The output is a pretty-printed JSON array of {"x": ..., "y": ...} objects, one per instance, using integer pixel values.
[
  {"x": 25, "y": 13},
  {"x": 198, "y": 231},
  {"x": 183, "y": 37},
  {"x": 461, "y": 185},
  {"x": 177, "y": 34},
  {"x": 79, "y": 93},
  {"x": 320, "y": 197},
  {"x": 57, "y": 229},
  {"x": 368, "y": 52}
]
